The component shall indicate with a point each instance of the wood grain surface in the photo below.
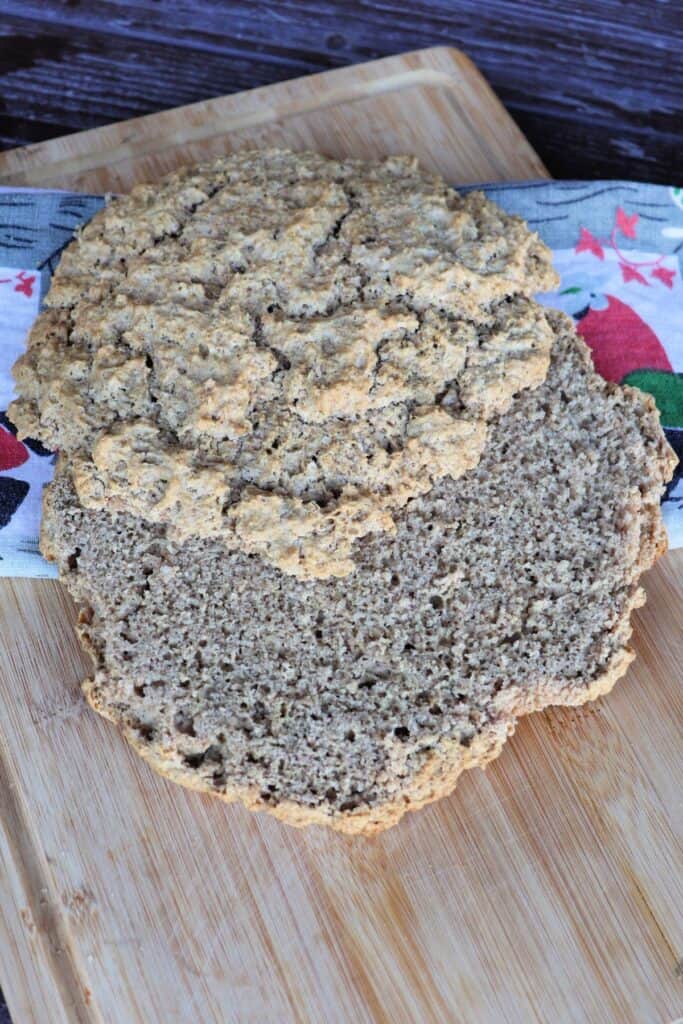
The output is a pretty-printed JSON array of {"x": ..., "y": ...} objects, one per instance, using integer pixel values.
[
  {"x": 546, "y": 889},
  {"x": 597, "y": 85},
  {"x": 391, "y": 103}
]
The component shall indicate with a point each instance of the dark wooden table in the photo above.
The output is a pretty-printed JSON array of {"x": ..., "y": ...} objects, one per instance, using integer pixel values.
[{"x": 597, "y": 85}]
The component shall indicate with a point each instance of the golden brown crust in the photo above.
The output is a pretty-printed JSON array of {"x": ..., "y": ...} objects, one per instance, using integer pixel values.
[{"x": 285, "y": 350}]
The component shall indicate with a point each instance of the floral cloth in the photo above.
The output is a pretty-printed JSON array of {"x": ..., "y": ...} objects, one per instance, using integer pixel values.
[{"x": 616, "y": 245}]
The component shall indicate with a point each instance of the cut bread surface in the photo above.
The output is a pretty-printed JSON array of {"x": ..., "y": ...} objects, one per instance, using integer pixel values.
[{"x": 349, "y": 701}]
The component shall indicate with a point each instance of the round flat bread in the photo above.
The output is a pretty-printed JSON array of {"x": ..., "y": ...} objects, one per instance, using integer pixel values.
[{"x": 279, "y": 351}]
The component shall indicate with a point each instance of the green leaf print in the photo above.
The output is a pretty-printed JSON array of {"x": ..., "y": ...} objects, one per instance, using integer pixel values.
[{"x": 665, "y": 388}]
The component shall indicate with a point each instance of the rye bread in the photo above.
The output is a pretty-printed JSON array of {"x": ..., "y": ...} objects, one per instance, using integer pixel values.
[{"x": 347, "y": 702}]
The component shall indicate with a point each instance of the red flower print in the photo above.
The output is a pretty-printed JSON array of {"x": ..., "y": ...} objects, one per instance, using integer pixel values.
[
  {"x": 626, "y": 224},
  {"x": 664, "y": 275},
  {"x": 629, "y": 273},
  {"x": 588, "y": 243},
  {"x": 631, "y": 269},
  {"x": 25, "y": 283},
  {"x": 12, "y": 452},
  {"x": 621, "y": 341}
]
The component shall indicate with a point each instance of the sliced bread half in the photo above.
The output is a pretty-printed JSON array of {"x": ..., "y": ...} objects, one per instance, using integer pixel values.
[{"x": 349, "y": 701}]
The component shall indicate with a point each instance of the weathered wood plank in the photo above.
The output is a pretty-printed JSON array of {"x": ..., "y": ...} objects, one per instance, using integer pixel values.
[{"x": 596, "y": 86}]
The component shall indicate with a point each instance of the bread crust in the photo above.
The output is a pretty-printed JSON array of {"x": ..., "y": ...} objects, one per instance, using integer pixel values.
[{"x": 282, "y": 350}]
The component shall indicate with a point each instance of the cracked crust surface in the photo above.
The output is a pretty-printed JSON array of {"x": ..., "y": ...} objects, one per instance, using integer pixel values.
[
  {"x": 280, "y": 351},
  {"x": 347, "y": 702}
]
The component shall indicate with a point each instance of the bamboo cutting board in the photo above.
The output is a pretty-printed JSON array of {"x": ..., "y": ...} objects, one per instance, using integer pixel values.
[{"x": 547, "y": 889}]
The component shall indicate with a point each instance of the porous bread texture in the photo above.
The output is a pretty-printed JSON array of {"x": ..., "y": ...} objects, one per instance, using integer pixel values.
[
  {"x": 347, "y": 702},
  {"x": 279, "y": 350}
]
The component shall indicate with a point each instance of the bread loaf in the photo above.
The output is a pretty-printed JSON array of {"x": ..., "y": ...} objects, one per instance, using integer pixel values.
[
  {"x": 339, "y": 501},
  {"x": 349, "y": 701}
]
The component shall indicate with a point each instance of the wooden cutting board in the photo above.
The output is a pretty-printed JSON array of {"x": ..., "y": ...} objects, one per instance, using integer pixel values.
[{"x": 547, "y": 889}]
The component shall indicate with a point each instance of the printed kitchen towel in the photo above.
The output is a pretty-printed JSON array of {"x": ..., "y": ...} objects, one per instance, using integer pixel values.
[
  {"x": 616, "y": 245},
  {"x": 34, "y": 228}
]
